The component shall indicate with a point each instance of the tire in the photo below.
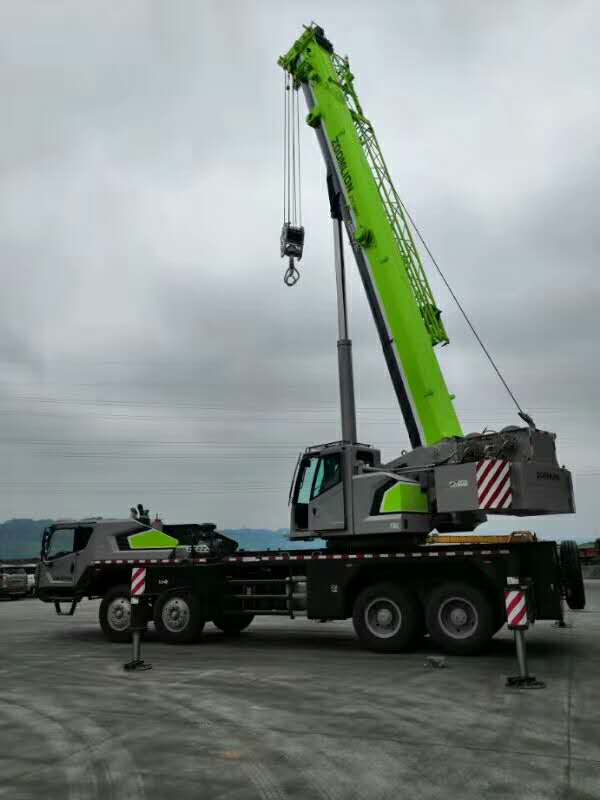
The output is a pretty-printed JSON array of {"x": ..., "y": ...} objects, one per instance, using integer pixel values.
[
  {"x": 572, "y": 576},
  {"x": 232, "y": 624},
  {"x": 177, "y": 618},
  {"x": 115, "y": 614},
  {"x": 387, "y": 618},
  {"x": 459, "y": 618}
]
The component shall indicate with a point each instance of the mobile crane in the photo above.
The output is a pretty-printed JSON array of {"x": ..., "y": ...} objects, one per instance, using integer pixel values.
[
  {"x": 377, "y": 567},
  {"x": 450, "y": 482}
]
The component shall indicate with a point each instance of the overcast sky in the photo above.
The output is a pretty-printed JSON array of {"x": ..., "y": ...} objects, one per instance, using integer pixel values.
[{"x": 148, "y": 347}]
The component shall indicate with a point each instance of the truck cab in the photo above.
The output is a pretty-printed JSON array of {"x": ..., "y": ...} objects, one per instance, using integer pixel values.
[
  {"x": 61, "y": 564},
  {"x": 70, "y": 547}
]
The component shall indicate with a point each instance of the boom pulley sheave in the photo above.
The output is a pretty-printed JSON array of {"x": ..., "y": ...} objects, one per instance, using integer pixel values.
[{"x": 292, "y": 232}]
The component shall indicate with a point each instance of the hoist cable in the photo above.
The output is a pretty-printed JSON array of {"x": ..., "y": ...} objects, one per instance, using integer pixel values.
[
  {"x": 292, "y": 187},
  {"x": 295, "y": 209},
  {"x": 288, "y": 98},
  {"x": 292, "y": 234},
  {"x": 299, "y": 171},
  {"x": 284, "y": 142},
  {"x": 488, "y": 355}
]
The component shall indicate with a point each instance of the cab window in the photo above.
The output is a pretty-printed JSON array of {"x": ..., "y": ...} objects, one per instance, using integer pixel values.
[
  {"x": 366, "y": 456},
  {"x": 329, "y": 474},
  {"x": 63, "y": 541},
  {"x": 305, "y": 479}
]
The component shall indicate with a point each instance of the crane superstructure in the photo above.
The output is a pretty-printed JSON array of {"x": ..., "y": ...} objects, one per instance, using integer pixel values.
[{"x": 448, "y": 481}]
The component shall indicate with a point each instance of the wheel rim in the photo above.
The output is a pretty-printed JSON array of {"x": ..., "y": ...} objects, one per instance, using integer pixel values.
[
  {"x": 175, "y": 614},
  {"x": 119, "y": 614},
  {"x": 458, "y": 617},
  {"x": 383, "y": 617}
]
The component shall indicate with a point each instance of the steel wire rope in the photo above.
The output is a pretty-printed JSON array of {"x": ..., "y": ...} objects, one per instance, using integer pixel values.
[
  {"x": 289, "y": 145},
  {"x": 299, "y": 169},
  {"x": 488, "y": 355},
  {"x": 293, "y": 127},
  {"x": 286, "y": 189},
  {"x": 287, "y": 149}
]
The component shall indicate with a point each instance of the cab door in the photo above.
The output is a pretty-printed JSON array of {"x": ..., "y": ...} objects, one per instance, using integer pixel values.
[
  {"x": 60, "y": 559},
  {"x": 301, "y": 493},
  {"x": 326, "y": 510}
]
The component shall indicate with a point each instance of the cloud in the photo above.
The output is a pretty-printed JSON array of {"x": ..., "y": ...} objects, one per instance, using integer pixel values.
[{"x": 149, "y": 348}]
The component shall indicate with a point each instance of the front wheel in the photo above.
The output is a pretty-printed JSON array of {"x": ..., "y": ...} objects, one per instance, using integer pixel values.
[
  {"x": 232, "y": 624},
  {"x": 387, "y": 618},
  {"x": 177, "y": 618},
  {"x": 459, "y": 618},
  {"x": 115, "y": 614}
]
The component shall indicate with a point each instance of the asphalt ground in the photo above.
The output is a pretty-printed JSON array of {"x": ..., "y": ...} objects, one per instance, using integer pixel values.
[{"x": 292, "y": 709}]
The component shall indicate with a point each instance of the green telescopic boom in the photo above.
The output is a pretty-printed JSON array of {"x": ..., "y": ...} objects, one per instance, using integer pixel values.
[{"x": 405, "y": 312}]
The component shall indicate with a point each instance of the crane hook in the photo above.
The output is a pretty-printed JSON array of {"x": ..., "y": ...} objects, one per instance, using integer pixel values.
[{"x": 292, "y": 276}]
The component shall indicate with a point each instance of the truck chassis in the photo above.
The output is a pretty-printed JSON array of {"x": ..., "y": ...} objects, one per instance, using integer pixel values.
[{"x": 454, "y": 592}]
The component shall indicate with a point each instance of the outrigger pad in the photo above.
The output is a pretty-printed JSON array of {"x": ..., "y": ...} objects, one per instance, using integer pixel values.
[
  {"x": 524, "y": 682},
  {"x": 136, "y": 664}
]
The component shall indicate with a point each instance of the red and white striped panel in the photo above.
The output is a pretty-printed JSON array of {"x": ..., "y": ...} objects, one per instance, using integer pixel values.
[
  {"x": 138, "y": 581},
  {"x": 493, "y": 484},
  {"x": 516, "y": 608}
]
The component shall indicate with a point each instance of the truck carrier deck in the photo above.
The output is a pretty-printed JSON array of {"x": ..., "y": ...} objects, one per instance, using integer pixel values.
[{"x": 452, "y": 589}]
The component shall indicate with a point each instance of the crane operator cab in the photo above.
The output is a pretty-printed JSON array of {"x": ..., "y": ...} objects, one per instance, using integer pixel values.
[
  {"x": 342, "y": 490},
  {"x": 318, "y": 494}
]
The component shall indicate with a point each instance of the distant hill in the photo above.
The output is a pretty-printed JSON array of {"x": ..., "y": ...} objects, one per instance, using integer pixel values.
[{"x": 21, "y": 538}]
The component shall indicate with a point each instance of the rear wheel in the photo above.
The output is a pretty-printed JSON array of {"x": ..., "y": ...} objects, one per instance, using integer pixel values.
[
  {"x": 459, "y": 618},
  {"x": 572, "y": 575},
  {"x": 386, "y": 618},
  {"x": 115, "y": 614},
  {"x": 177, "y": 618},
  {"x": 232, "y": 624}
]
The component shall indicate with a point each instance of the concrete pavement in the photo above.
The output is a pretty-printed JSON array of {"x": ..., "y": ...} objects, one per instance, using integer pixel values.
[{"x": 292, "y": 709}]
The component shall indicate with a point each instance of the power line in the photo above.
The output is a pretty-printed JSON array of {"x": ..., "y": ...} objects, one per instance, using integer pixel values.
[{"x": 317, "y": 407}]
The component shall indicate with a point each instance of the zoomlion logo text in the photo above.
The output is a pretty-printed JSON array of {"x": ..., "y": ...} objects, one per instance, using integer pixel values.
[
  {"x": 458, "y": 484},
  {"x": 341, "y": 159},
  {"x": 547, "y": 476}
]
